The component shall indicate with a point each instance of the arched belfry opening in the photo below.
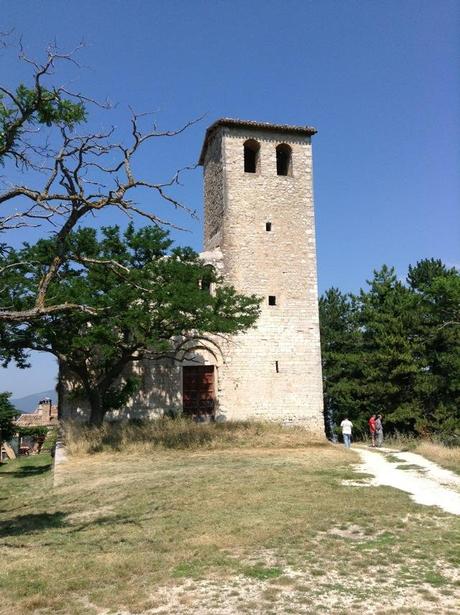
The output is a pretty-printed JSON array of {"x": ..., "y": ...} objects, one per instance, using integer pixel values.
[
  {"x": 283, "y": 159},
  {"x": 251, "y": 156}
]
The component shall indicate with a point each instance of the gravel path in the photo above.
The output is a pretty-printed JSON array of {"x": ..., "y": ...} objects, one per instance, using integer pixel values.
[{"x": 425, "y": 481}]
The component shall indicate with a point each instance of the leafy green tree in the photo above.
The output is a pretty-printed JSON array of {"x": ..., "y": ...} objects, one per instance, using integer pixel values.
[
  {"x": 391, "y": 355},
  {"x": 423, "y": 274},
  {"x": 25, "y": 107},
  {"x": 395, "y": 349},
  {"x": 144, "y": 297},
  {"x": 8, "y": 414},
  {"x": 341, "y": 346},
  {"x": 437, "y": 289}
]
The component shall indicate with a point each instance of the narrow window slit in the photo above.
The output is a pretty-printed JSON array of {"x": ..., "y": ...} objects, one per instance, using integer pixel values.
[
  {"x": 268, "y": 226},
  {"x": 277, "y": 367},
  {"x": 271, "y": 300}
]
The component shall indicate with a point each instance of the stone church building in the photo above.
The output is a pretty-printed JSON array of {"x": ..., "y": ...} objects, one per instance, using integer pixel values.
[{"x": 259, "y": 233}]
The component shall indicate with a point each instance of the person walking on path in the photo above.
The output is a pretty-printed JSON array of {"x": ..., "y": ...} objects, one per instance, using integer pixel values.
[
  {"x": 379, "y": 430},
  {"x": 346, "y": 426},
  {"x": 372, "y": 428}
]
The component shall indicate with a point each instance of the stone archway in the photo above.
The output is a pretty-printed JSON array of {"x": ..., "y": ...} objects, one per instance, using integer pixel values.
[{"x": 200, "y": 363}]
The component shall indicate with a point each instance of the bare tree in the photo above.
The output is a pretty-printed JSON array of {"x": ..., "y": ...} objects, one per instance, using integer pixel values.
[{"x": 83, "y": 173}]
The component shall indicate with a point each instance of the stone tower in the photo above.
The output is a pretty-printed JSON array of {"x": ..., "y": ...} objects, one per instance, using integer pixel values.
[{"x": 259, "y": 231}]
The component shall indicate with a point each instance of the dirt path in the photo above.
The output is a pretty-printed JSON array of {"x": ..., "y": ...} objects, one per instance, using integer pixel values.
[{"x": 425, "y": 481}]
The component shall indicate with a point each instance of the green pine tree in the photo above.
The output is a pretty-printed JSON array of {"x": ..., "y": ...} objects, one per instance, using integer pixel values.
[
  {"x": 26, "y": 107},
  {"x": 144, "y": 294},
  {"x": 341, "y": 342},
  {"x": 395, "y": 350},
  {"x": 391, "y": 355},
  {"x": 437, "y": 289}
]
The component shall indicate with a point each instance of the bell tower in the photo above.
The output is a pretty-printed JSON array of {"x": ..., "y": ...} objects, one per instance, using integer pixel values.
[{"x": 259, "y": 224}]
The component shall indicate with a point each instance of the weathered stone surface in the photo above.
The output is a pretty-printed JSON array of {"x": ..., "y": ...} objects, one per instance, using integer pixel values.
[{"x": 274, "y": 370}]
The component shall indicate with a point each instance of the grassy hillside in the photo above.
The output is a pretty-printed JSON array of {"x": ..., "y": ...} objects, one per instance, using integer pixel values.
[{"x": 219, "y": 530}]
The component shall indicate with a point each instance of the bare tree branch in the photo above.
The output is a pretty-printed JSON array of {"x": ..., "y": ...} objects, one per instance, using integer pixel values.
[
  {"x": 449, "y": 323},
  {"x": 37, "y": 312},
  {"x": 85, "y": 174},
  {"x": 98, "y": 261}
]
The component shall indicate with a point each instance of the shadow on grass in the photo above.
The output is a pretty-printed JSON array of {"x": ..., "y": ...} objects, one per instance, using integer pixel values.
[
  {"x": 42, "y": 522},
  {"x": 25, "y": 471},
  {"x": 27, "y": 524},
  {"x": 109, "y": 521}
]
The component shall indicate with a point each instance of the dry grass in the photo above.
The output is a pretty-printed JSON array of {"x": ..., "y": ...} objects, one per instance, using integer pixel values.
[
  {"x": 448, "y": 457},
  {"x": 399, "y": 441},
  {"x": 148, "y": 436},
  {"x": 217, "y": 530}
]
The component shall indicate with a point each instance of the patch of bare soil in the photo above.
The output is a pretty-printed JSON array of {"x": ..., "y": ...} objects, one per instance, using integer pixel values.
[
  {"x": 299, "y": 593},
  {"x": 352, "y": 532}
]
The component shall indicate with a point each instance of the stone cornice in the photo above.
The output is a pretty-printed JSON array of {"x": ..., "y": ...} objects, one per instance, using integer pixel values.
[{"x": 253, "y": 125}]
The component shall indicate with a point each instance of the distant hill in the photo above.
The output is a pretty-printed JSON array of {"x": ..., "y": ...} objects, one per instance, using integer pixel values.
[{"x": 29, "y": 403}]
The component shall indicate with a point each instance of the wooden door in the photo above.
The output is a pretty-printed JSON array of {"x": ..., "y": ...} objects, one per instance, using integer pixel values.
[{"x": 198, "y": 389}]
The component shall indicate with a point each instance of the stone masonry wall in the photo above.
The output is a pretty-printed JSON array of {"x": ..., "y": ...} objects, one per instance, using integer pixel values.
[
  {"x": 159, "y": 392},
  {"x": 273, "y": 371},
  {"x": 160, "y": 388},
  {"x": 213, "y": 195}
]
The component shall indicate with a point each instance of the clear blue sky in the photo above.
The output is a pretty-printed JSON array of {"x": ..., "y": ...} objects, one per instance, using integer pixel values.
[{"x": 379, "y": 80}]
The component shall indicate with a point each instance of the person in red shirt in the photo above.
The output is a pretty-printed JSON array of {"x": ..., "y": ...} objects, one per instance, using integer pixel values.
[{"x": 372, "y": 428}]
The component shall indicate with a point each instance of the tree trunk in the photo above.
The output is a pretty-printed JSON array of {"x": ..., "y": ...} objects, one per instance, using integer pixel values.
[
  {"x": 93, "y": 391},
  {"x": 97, "y": 408},
  {"x": 60, "y": 391}
]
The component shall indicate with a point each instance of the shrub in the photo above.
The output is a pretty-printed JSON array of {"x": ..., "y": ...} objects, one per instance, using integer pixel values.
[{"x": 50, "y": 441}]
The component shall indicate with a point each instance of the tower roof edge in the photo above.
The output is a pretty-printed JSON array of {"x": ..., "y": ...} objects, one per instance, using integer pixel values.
[{"x": 266, "y": 126}]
